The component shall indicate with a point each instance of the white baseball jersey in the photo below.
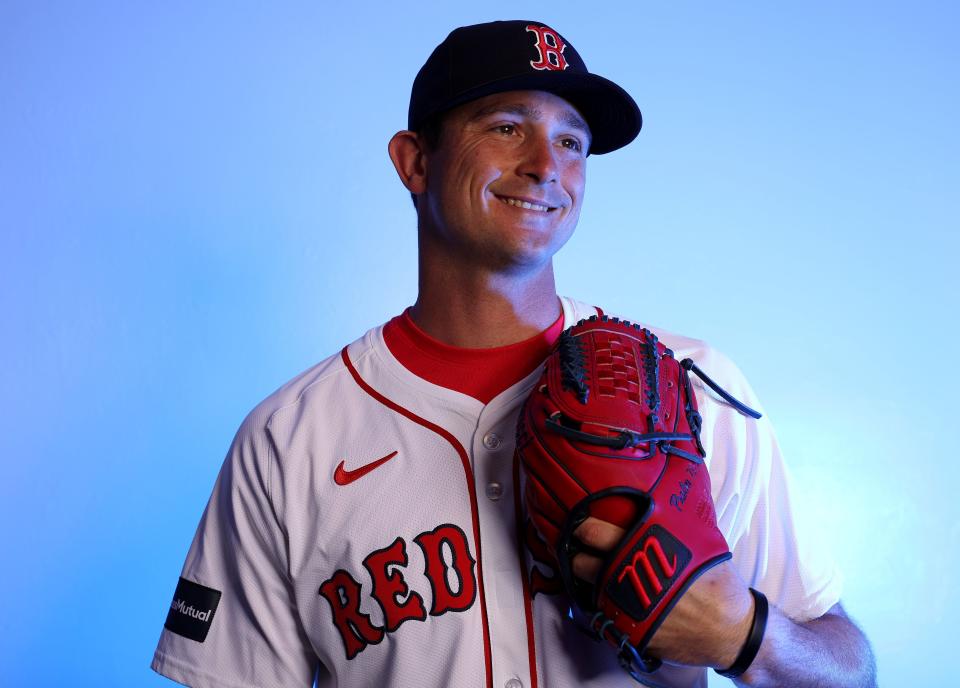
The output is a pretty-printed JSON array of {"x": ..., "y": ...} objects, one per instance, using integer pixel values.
[{"x": 366, "y": 530}]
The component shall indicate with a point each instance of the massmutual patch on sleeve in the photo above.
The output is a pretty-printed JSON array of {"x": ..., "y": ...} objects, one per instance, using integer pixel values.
[{"x": 192, "y": 610}]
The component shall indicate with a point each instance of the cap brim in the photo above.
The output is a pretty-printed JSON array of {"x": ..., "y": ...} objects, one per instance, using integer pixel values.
[{"x": 611, "y": 113}]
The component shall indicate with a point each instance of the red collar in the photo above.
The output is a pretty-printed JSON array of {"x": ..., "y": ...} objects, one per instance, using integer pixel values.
[{"x": 480, "y": 373}]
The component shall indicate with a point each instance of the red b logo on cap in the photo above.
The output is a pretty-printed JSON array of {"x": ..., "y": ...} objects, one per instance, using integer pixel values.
[{"x": 551, "y": 47}]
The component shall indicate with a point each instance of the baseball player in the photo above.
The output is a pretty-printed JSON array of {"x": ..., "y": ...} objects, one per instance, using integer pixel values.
[{"x": 367, "y": 529}]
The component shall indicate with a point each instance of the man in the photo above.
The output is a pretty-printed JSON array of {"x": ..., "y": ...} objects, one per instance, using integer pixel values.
[{"x": 366, "y": 528}]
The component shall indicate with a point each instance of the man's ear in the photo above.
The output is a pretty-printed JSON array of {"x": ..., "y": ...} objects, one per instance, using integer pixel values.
[{"x": 409, "y": 158}]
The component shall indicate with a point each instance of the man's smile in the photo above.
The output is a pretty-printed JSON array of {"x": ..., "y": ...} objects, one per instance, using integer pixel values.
[{"x": 526, "y": 203}]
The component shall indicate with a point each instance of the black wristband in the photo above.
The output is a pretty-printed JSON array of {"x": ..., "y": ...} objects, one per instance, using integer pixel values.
[{"x": 750, "y": 648}]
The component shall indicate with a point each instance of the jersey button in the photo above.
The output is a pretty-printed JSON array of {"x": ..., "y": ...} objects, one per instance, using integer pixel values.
[
  {"x": 495, "y": 492},
  {"x": 492, "y": 442},
  {"x": 513, "y": 683}
]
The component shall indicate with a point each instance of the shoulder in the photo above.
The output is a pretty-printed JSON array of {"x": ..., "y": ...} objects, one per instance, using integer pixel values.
[
  {"x": 711, "y": 361},
  {"x": 730, "y": 433},
  {"x": 308, "y": 396}
]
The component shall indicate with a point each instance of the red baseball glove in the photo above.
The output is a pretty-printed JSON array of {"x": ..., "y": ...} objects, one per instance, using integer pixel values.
[{"x": 611, "y": 430}]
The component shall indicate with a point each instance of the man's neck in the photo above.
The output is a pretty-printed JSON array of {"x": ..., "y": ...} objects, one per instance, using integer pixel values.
[{"x": 479, "y": 309}]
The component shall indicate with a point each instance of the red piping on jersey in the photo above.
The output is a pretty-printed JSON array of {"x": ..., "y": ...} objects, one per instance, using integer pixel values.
[
  {"x": 521, "y": 553},
  {"x": 474, "y": 508}
]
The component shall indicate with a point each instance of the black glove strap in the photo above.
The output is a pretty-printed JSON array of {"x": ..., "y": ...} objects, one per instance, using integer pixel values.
[
  {"x": 687, "y": 364},
  {"x": 750, "y": 648}
]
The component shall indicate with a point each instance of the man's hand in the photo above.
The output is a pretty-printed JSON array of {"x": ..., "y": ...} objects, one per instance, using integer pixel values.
[{"x": 709, "y": 624}]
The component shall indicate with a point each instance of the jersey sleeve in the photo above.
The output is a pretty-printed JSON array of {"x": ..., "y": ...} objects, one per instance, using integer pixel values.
[
  {"x": 233, "y": 621},
  {"x": 773, "y": 547}
]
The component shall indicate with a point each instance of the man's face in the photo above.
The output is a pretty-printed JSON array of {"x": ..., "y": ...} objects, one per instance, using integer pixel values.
[{"x": 505, "y": 185}]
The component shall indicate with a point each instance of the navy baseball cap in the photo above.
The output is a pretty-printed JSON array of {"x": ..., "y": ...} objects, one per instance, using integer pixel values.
[{"x": 479, "y": 60}]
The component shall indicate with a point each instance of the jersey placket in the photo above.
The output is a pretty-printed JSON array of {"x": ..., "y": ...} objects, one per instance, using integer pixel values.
[{"x": 492, "y": 457}]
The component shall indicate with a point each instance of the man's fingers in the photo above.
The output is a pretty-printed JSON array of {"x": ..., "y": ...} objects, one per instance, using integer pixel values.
[
  {"x": 599, "y": 534},
  {"x": 586, "y": 567}
]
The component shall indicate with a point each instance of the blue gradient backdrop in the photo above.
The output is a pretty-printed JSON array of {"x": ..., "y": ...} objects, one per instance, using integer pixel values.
[{"x": 196, "y": 204}]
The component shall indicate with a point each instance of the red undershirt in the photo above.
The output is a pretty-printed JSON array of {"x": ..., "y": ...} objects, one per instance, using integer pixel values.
[{"x": 480, "y": 373}]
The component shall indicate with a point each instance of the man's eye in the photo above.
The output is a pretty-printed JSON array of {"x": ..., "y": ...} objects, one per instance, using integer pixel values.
[
  {"x": 505, "y": 128},
  {"x": 572, "y": 144}
]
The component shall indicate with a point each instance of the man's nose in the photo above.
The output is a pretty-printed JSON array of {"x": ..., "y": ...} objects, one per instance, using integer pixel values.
[{"x": 539, "y": 160}]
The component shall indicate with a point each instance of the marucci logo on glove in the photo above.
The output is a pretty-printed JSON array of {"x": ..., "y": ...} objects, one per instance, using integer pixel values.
[
  {"x": 192, "y": 610},
  {"x": 647, "y": 571}
]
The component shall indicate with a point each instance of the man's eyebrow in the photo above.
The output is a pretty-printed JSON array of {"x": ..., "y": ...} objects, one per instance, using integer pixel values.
[{"x": 570, "y": 118}]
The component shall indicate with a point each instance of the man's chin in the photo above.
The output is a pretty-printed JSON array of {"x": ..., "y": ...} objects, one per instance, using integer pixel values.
[{"x": 523, "y": 257}]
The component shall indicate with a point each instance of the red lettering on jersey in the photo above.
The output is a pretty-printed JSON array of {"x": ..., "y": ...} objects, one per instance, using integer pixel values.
[
  {"x": 641, "y": 558},
  {"x": 551, "y": 47},
  {"x": 389, "y": 587},
  {"x": 343, "y": 594},
  {"x": 447, "y": 598}
]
